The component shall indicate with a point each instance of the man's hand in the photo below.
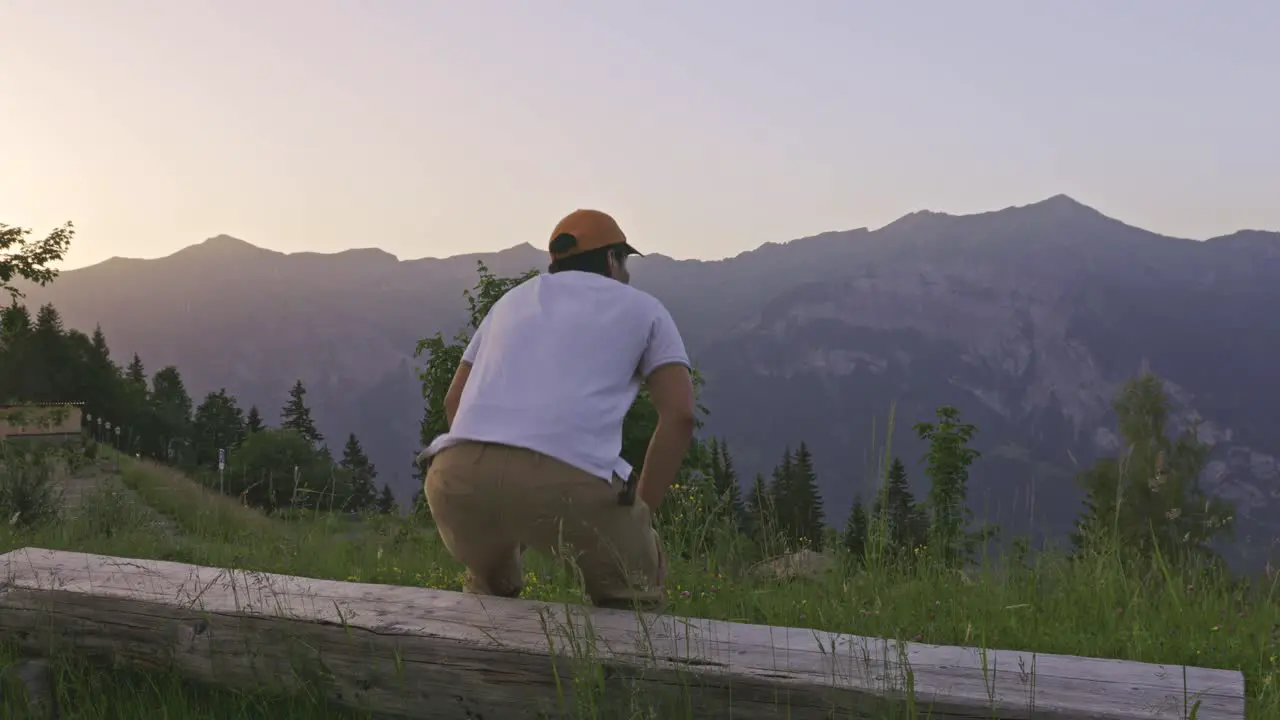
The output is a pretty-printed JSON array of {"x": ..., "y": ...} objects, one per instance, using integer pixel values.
[{"x": 671, "y": 390}]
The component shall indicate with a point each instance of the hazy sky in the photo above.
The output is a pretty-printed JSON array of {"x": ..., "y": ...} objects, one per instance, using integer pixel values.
[{"x": 707, "y": 127}]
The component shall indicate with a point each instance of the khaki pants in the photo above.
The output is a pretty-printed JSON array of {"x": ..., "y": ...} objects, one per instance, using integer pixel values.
[{"x": 491, "y": 502}]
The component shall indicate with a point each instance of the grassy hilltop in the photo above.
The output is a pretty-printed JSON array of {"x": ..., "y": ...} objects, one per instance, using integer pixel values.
[{"x": 92, "y": 500}]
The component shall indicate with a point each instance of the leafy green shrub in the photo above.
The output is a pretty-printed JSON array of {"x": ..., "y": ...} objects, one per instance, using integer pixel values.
[
  {"x": 276, "y": 469},
  {"x": 27, "y": 493}
]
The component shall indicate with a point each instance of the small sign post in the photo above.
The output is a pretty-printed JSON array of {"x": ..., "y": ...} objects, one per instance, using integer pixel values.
[{"x": 222, "y": 465}]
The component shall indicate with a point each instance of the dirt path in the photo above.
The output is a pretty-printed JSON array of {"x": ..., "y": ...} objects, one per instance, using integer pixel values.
[{"x": 90, "y": 483}]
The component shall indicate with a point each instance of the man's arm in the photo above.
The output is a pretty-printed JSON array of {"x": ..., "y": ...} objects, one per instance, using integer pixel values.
[
  {"x": 665, "y": 366},
  {"x": 454, "y": 395},
  {"x": 671, "y": 390}
]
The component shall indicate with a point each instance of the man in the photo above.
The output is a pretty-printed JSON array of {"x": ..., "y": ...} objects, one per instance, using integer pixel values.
[{"x": 535, "y": 411}]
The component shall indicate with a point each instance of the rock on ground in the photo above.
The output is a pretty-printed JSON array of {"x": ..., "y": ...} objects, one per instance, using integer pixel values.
[{"x": 803, "y": 564}]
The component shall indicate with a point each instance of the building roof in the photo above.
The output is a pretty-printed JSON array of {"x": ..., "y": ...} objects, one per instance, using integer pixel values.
[{"x": 41, "y": 404}]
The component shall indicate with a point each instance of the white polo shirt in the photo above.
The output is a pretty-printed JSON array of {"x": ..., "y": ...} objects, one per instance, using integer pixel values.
[{"x": 557, "y": 363}]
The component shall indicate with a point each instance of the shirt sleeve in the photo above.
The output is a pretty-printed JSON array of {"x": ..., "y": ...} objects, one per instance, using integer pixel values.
[
  {"x": 665, "y": 345},
  {"x": 473, "y": 346}
]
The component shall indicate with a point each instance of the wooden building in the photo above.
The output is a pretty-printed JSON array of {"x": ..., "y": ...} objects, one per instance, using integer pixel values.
[{"x": 52, "y": 421}]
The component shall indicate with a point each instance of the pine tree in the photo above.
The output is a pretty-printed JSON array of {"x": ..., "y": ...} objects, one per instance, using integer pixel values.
[
  {"x": 805, "y": 501},
  {"x": 171, "y": 411},
  {"x": 854, "y": 538},
  {"x": 49, "y": 320},
  {"x": 780, "y": 494},
  {"x": 218, "y": 425},
  {"x": 724, "y": 479},
  {"x": 386, "y": 501},
  {"x": 52, "y": 368},
  {"x": 100, "y": 343},
  {"x": 296, "y": 416},
  {"x": 15, "y": 322},
  {"x": 364, "y": 494},
  {"x": 135, "y": 410},
  {"x": 714, "y": 463},
  {"x": 906, "y": 525},
  {"x": 100, "y": 383},
  {"x": 18, "y": 367},
  {"x": 947, "y": 465},
  {"x": 253, "y": 422},
  {"x": 136, "y": 373}
]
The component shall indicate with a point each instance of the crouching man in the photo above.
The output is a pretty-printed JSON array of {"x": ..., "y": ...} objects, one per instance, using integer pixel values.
[{"x": 532, "y": 456}]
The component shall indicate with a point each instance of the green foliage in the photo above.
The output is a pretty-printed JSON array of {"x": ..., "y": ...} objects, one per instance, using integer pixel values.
[
  {"x": 31, "y": 260},
  {"x": 443, "y": 357},
  {"x": 386, "y": 503},
  {"x": 253, "y": 421},
  {"x": 724, "y": 482},
  {"x": 168, "y": 427},
  {"x": 780, "y": 489},
  {"x": 906, "y": 523},
  {"x": 443, "y": 360},
  {"x": 797, "y": 502},
  {"x": 761, "y": 516},
  {"x": 37, "y": 363},
  {"x": 136, "y": 373},
  {"x": 1148, "y": 501},
  {"x": 703, "y": 501},
  {"x": 947, "y": 464},
  {"x": 296, "y": 416},
  {"x": 279, "y": 468},
  {"x": 42, "y": 362},
  {"x": 219, "y": 425},
  {"x": 856, "y": 529},
  {"x": 27, "y": 494},
  {"x": 794, "y": 508},
  {"x": 364, "y": 494}
]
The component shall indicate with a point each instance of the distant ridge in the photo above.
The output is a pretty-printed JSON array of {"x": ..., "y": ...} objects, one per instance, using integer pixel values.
[
  {"x": 1026, "y": 318},
  {"x": 1055, "y": 208}
]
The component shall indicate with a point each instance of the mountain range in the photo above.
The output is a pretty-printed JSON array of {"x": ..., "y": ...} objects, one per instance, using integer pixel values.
[{"x": 1027, "y": 319}]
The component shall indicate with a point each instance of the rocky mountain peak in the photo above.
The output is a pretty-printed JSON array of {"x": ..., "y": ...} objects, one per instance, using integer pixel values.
[
  {"x": 225, "y": 245},
  {"x": 1062, "y": 203}
]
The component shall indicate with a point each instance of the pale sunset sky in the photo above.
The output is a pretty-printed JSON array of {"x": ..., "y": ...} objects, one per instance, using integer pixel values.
[{"x": 707, "y": 127}]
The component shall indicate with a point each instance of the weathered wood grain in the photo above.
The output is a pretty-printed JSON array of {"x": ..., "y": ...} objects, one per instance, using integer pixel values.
[{"x": 427, "y": 653}]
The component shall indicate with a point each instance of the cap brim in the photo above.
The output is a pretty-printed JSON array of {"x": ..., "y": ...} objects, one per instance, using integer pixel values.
[{"x": 631, "y": 250}]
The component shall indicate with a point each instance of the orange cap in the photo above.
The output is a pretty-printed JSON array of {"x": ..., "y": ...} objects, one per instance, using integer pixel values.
[{"x": 585, "y": 230}]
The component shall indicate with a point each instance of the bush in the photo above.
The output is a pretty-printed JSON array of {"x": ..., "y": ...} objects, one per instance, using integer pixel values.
[
  {"x": 27, "y": 493},
  {"x": 276, "y": 469}
]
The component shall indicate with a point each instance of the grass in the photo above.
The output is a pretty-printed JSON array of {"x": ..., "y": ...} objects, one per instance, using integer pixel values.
[{"x": 1047, "y": 604}]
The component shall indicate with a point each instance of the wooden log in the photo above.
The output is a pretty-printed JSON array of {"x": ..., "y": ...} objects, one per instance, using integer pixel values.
[{"x": 416, "y": 652}]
